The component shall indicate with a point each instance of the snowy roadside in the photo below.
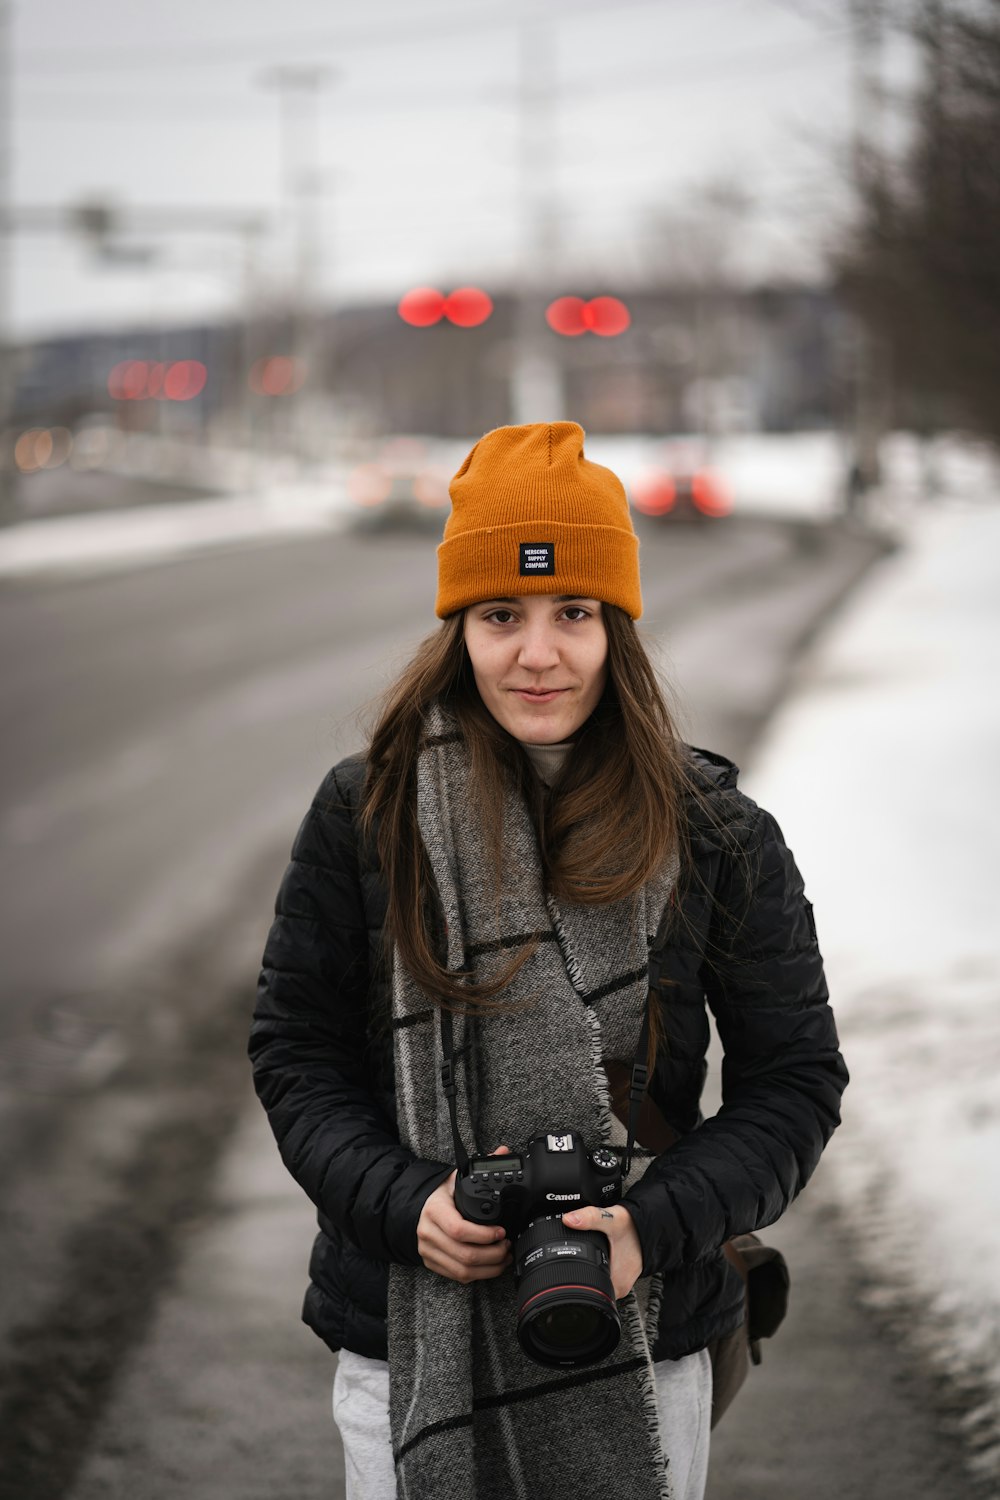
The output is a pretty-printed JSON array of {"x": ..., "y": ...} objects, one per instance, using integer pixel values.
[
  {"x": 786, "y": 477},
  {"x": 106, "y": 541},
  {"x": 881, "y": 767}
]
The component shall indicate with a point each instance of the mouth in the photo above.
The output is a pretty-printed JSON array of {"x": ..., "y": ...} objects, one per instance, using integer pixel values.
[{"x": 538, "y": 695}]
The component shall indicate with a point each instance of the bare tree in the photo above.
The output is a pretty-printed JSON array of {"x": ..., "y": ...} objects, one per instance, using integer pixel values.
[{"x": 922, "y": 265}]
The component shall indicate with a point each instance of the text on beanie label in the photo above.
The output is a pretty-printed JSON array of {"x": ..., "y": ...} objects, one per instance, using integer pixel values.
[{"x": 538, "y": 557}]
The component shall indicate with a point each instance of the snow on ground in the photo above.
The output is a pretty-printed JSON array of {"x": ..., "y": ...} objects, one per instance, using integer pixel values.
[
  {"x": 125, "y": 538},
  {"x": 797, "y": 476},
  {"x": 882, "y": 769}
]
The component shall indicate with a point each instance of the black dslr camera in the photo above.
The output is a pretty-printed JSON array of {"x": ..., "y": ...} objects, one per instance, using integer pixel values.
[{"x": 566, "y": 1312}]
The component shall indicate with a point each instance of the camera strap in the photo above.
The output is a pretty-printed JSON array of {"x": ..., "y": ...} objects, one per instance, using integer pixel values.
[
  {"x": 451, "y": 1087},
  {"x": 637, "y": 1086}
]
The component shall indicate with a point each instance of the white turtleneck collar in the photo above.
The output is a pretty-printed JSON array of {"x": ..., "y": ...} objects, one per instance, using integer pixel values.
[{"x": 548, "y": 760}]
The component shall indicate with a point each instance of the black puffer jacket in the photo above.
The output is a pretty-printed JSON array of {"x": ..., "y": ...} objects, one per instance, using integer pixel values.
[{"x": 740, "y": 936}]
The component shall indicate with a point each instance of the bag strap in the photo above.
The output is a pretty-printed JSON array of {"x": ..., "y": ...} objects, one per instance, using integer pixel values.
[{"x": 637, "y": 1086}]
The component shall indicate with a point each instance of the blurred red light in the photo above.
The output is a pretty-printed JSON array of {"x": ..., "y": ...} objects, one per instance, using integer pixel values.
[
  {"x": 710, "y": 494},
  {"x": 654, "y": 493},
  {"x": 431, "y": 489},
  {"x": 29, "y": 450},
  {"x": 606, "y": 316},
  {"x": 184, "y": 380},
  {"x": 154, "y": 379},
  {"x": 128, "y": 380},
  {"x": 566, "y": 316},
  {"x": 571, "y": 316},
  {"x": 422, "y": 307},
  {"x": 369, "y": 484},
  {"x": 277, "y": 375},
  {"x": 468, "y": 307}
]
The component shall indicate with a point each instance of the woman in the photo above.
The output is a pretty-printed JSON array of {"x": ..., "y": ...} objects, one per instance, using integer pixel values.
[{"x": 527, "y": 847}]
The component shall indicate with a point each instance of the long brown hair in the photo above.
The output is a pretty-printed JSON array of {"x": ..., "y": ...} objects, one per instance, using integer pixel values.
[{"x": 606, "y": 826}]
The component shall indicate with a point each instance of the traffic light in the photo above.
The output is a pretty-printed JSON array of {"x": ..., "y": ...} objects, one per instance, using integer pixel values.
[
  {"x": 571, "y": 316},
  {"x": 466, "y": 307},
  {"x": 277, "y": 375},
  {"x": 146, "y": 380}
]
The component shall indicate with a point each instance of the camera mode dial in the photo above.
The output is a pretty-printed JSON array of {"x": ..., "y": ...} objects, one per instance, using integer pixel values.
[{"x": 604, "y": 1159}]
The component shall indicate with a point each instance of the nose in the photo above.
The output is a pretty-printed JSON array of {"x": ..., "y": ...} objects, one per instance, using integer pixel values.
[{"x": 538, "y": 649}]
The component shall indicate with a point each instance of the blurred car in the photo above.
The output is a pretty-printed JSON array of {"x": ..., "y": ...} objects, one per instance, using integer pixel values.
[
  {"x": 401, "y": 486},
  {"x": 681, "y": 494}
]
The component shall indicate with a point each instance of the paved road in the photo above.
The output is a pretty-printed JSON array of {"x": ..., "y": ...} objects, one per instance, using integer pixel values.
[{"x": 165, "y": 729}]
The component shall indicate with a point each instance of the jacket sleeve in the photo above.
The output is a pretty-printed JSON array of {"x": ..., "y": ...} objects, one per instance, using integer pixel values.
[
  {"x": 782, "y": 1072},
  {"x": 309, "y": 1045}
]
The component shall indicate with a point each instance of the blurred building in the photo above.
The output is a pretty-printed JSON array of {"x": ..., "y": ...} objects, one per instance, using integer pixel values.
[{"x": 768, "y": 359}]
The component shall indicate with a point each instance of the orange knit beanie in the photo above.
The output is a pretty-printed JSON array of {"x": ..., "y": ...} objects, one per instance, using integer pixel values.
[{"x": 531, "y": 515}]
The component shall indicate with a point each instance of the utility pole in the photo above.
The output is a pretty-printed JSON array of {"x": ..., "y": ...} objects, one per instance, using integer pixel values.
[
  {"x": 872, "y": 374},
  {"x": 537, "y": 393},
  {"x": 105, "y": 229},
  {"x": 298, "y": 89},
  {"x": 8, "y": 478}
]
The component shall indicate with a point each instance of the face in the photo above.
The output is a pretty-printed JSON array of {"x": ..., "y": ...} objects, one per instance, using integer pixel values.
[{"x": 540, "y": 662}]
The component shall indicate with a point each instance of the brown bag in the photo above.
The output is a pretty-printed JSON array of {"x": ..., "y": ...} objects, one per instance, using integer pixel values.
[{"x": 763, "y": 1269}]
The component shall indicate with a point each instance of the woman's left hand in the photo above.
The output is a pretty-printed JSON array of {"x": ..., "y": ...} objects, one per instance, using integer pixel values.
[{"x": 626, "y": 1251}]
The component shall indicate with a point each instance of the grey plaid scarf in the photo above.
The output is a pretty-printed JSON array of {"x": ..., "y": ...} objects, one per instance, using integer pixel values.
[{"x": 471, "y": 1416}]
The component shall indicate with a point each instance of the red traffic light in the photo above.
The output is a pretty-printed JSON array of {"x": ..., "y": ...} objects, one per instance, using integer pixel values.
[
  {"x": 145, "y": 380},
  {"x": 277, "y": 375},
  {"x": 606, "y": 316},
  {"x": 422, "y": 307},
  {"x": 565, "y": 316},
  {"x": 466, "y": 307},
  {"x": 184, "y": 380},
  {"x": 571, "y": 316}
]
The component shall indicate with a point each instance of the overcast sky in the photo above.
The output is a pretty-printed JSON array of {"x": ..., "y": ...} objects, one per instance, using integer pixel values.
[{"x": 419, "y": 141}]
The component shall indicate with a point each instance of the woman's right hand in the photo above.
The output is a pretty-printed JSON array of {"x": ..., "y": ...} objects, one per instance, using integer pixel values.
[{"x": 451, "y": 1246}]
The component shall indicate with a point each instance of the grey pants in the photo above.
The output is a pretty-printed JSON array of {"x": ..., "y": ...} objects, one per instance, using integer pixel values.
[{"x": 361, "y": 1412}]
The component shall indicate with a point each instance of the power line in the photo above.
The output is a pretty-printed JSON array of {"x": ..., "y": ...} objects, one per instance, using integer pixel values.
[
  {"x": 683, "y": 73},
  {"x": 226, "y": 52}
]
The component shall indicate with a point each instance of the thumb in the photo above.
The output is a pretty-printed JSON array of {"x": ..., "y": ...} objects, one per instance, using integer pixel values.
[{"x": 582, "y": 1218}]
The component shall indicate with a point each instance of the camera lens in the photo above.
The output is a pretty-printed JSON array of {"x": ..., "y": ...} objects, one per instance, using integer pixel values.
[
  {"x": 566, "y": 1313},
  {"x": 567, "y": 1328}
]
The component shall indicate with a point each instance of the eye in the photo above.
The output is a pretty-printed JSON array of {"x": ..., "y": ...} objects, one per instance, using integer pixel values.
[
  {"x": 574, "y": 612},
  {"x": 499, "y": 616}
]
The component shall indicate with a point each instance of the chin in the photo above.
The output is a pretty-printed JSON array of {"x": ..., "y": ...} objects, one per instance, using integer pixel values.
[{"x": 542, "y": 731}]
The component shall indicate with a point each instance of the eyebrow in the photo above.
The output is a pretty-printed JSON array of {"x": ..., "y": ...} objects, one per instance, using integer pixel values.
[{"x": 512, "y": 598}]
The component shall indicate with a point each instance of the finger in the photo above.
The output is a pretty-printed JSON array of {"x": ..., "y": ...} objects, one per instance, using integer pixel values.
[
  {"x": 447, "y": 1227},
  {"x": 450, "y": 1222},
  {"x": 591, "y": 1218},
  {"x": 475, "y": 1259},
  {"x": 467, "y": 1251},
  {"x": 477, "y": 1265},
  {"x": 465, "y": 1274},
  {"x": 440, "y": 1210}
]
